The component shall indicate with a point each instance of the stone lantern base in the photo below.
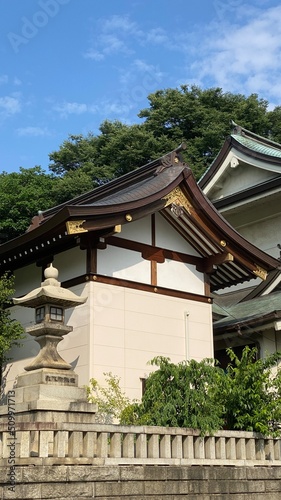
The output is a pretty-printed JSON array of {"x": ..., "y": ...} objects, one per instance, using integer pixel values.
[{"x": 50, "y": 395}]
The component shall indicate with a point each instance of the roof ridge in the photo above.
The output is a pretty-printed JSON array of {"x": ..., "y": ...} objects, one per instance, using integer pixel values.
[
  {"x": 162, "y": 161},
  {"x": 239, "y": 130}
]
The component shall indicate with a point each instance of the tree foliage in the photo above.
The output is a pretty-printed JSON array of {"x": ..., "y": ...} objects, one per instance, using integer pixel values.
[
  {"x": 251, "y": 392},
  {"x": 11, "y": 331},
  {"x": 22, "y": 195},
  {"x": 200, "y": 395},
  {"x": 109, "y": 398},
  {"x": 202, "y": 118},
  {"x": 199, "y": 117},
  {"x": 181, "y": 395}
]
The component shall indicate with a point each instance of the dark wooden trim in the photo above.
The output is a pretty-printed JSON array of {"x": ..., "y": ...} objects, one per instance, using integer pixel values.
[
  {"x": 91, "y": 260},
  {"x": 113, "y": 186},
  {"x": 245, "y": 324},
  {"x": 153, "y": 264},
  {"x": 150, "y": 252},
  {"x": 274, "y": 160},
  {"x": 248, "y": 193},
  {"x": 212, "y": 225},
  {"x": 136, "y": 286},
  {"x": 90, "y": 243},
  {"x": 215, "y": 166},
  {"x": 207, "y": 285}
]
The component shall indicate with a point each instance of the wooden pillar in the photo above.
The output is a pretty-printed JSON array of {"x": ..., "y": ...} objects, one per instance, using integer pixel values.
[{"x": 153, "y": 263}]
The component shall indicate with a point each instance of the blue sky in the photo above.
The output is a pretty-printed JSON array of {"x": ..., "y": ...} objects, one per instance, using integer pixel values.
[{"x": 67, "y": 65}]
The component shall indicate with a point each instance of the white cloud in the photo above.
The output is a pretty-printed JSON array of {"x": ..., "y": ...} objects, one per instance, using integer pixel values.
[
  {"x": 140, "y": 73},
  {"x": 157, "y": 36},
  {"x": 94, "y": 54},
  {"x": 74, "y": 108},
  {"x": 112, "y": 44},
  {"x": 243, "y": 58},
  {"x": 114, "y": 108},
  {"x": 32, "y": 132},
  {"x": 120, "y": 23},
  {"x": 70, "y": 108},
  {"x": 9, "y": 106},
  {"x": 122, "y": 35}
]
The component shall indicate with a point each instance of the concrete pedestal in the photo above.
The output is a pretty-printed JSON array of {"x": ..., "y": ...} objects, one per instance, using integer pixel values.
[{"x": 49, "y": 395}]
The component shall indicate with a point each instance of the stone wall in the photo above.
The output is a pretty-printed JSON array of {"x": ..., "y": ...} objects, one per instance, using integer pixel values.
[{"x": 141, "y": 482}]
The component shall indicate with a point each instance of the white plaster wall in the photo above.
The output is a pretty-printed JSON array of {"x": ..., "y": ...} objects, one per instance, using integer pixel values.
[
  {"x": 172, "y": 274},
  {"x": 179, "y": 276},
  {"x": 243, "y": 177},
  {"x": 71, "y": 263},
  {"x": 124, "y": 264},
  {"x": 264, "y": 234},
  {"x": 139, "y": 230},
  {"x": 27, "y": 278},
  {"x": 167, "y": 237}
]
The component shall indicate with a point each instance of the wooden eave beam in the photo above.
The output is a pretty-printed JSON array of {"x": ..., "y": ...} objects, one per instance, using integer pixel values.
[
  {"x": 209, "y": 264},
  {"x": 223, "y": 236},
  {"x": 150, "y": 252}
]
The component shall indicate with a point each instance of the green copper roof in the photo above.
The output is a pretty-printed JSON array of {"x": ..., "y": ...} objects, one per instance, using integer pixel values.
[
  {"x": 250, "y": 309},
  {"x": 257, "y": 146}
]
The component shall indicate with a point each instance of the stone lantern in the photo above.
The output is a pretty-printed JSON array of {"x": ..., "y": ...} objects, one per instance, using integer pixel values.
[
  {"x": 49, "y": 302},
  {"x": 49, "y": 382}
]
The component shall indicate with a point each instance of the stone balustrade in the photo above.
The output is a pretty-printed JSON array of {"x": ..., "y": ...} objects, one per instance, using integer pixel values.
[{"x": 77, "y": 443}]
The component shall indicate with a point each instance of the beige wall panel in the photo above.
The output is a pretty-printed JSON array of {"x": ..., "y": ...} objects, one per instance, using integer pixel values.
[
  {"x": 120, "y": 330},
  {"x": 164, "y": 345},
  {"x": 199, "y": 349},
  {"x": 77, "y": 356},
  {"x": 109, "y": 317},
  {"x": 156, "y": 305},
  {"x": 148, "y": 323},
  {"x": 198, "y": 331},
  {"x": 109, "y": 336},
  {"x": 75, "y": 339},
  {"x": 199, "y": 313},
  {"x": 101, "y": 370},
  {"x": 105, "y": 296},
  {"x": 110, "y": 357}
]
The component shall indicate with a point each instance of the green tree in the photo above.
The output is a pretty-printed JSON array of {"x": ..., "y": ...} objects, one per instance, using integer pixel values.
[
  {"x": 180, "y": 395},
  {"x": 11, "y": 331},
  {"x": 118, "y": 149},
  {"x": 22, "y": 195},
  {"x": 251, "y": 391},
  {"x": 109, "y": 398},
  {"x": 200, "y": 395},
  {"x": 202, "y": 119},
  {"x": 75, "y": 152}
]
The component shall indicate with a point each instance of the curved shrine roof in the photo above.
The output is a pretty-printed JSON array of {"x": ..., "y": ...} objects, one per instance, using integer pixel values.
[
  {"x": 166, "y": 186},
  {"x": 252, "y": 145}
]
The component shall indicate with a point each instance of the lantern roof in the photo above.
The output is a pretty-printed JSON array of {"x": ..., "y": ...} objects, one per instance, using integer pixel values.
[{"x": 50, "y": 292}]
